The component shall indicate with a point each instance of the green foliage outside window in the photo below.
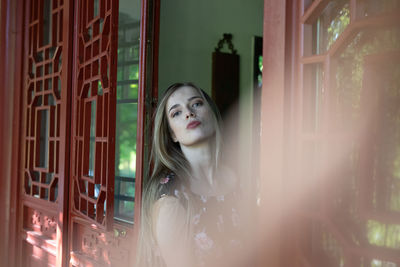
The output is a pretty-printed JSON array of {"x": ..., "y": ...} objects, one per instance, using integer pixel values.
[{"x": 126, "y": 117}]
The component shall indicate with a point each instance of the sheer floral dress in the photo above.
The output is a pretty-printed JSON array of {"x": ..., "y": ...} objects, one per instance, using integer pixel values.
[{"x": 216, "y": 224}]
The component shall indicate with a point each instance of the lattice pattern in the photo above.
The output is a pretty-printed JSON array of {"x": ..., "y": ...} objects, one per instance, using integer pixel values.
[
  {"x": 94, "y": 100},
  {"x": 42, "y": 106}
]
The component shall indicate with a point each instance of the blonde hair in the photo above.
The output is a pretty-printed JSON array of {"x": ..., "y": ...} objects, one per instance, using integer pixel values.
[{"x": 167, "y": 157}]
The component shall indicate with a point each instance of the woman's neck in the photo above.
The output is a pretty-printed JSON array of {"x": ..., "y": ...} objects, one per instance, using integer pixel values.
[
  {"x": 205, "y": 179},
  {"x": 201, "y": 161}
]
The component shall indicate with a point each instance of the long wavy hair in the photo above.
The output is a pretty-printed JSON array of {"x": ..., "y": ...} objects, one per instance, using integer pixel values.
[{"x": 167, "y": 157}]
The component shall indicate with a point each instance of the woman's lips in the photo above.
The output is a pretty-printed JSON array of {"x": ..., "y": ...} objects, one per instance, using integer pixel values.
[{"x": 193, "y": 124}]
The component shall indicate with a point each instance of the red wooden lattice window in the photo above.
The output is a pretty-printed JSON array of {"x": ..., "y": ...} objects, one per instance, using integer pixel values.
[
  {"x": 94, "y": 117},
  {"x": 108, "y": 111},
  {"x": 48, "y": 230},
  {"x": 44, "y": 133},
  {"x": 349, "y": 76},
  {"x": 42, "y": 136}
]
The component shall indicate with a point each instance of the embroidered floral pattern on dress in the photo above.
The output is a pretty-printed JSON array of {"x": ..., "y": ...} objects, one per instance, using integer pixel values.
[
  {"x": 235, "y": 217},
  {"x": 177, "y": 193},
  {"x": 216, "y": 228},
  {"x": 220, "y": 198},
  {"x": 166, "y": 179},
  {"x": 203, "y": 241},
  {"x": 203, "y": 198},
  {"x": 212, "y": 218},
  {"x": 186, "y": 195},
  {"x": 196, "y": 219},
  {"x": 220, "y": 223}
]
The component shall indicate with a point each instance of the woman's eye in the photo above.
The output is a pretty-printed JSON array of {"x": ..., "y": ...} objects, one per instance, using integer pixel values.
[
  {"x": 197, "y": 104},
  {"x": 175, "y": 114}
]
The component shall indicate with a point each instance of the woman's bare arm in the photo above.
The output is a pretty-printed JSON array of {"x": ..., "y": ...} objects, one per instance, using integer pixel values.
[{"x": 169, "y": 227}]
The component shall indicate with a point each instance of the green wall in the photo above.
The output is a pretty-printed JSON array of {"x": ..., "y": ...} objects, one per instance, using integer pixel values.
[{"x": 190, "y": 30}]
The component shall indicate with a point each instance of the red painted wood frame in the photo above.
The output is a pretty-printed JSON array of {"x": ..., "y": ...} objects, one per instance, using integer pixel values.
[
  {"x": 45, "y": 79},
  {"x": 96, "y": 238},
  {"x": 94, "y": 108},
  {"x": 148, "y": 71},
  {"x": 9, "y": 11},
  {"x": 11, "y": 83},
  {"x": 94, "y": 100},
  {"x": 327, "y": 133},
  {"x": 272, "y": 132},
  {"x": 282, "y": 95}
]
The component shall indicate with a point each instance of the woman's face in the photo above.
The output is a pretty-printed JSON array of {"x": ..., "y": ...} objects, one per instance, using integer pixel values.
[{"x": 189, "y": 117}]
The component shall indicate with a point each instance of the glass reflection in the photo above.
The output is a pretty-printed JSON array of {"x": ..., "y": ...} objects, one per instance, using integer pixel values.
[
  {"x": 361, "y": 203},
  {"x": 92, "y": 142},
  {"x": 366, "y": 8},
  {"x": 380, "y": 263},
  {"x": 47, "y": 21},
  {"x": 383, "y": 235},
  {"x": 126, "y": 116},
  {"x": 313, "y": 93},
  {"x": 350, "y": 70},
  {"x": 43, "y": 125},
  {"x": 323, "y": 33}
]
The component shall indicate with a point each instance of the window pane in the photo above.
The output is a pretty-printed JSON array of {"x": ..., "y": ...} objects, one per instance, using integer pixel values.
[
  {"x": 349, "y": 71},
  {"x": 92, "y": 141},
  {"x": 126, "y": 117},
  {"x": 47, "y": 16},
  {"x": 380, "y": 234},
  {"x": 323, "y": 33},
  {"x": 360, "y": 206},
  {"x": 312, "y": 96},
  {"x": 367, "y": 8},
  {"x": 43, "y": 103},
  {"x": 365, "y": 86},
  {"x": 44, "y": 138}
]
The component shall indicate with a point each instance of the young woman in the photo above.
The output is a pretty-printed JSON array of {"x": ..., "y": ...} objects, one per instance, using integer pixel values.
[{"x": 189, "y": 214}]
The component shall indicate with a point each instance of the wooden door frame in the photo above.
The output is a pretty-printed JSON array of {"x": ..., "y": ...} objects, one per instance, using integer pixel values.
[
  {"x": 12, "y": 51},
  {"x": 65, "y": 133},
  {"x": 11, "y": 47},
  {"x": 149, "y": 43},
  {"x": 277, "y": 123},
  {"x": 147, "y": 95},
  {"x": 65, "y": 136}
]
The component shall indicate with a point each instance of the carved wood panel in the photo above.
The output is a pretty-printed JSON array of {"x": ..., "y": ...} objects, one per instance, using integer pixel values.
[
  {"x": 45, "y": 105},
  {"x": 43, "y": 100},
  {"x": 94, "y": 103},
  {"x": 48, "y": 115},
  {"x": 97, "y": 237},
  {"x": 40, "y": 222},
  {"x": 95, "y": 246}
]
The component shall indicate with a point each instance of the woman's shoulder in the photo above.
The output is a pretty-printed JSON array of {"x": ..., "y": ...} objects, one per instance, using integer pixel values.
[
  {"x": 169, "y": 223},
  {"x": 170, "y": 185},
  {"x": 168, "y": 206},
  {"x": 167, "y": 183},
  {"x": 168, "y": 216}
]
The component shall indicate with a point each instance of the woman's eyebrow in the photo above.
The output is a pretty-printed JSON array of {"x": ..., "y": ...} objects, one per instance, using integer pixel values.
[
  {"x": 189, "y": 99},
  {"x": 174, "y": 106},
  {"x": 193, "y": 97}
]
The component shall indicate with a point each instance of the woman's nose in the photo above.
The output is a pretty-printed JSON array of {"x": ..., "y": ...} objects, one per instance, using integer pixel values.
[{"x": 190, "y": 114}]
